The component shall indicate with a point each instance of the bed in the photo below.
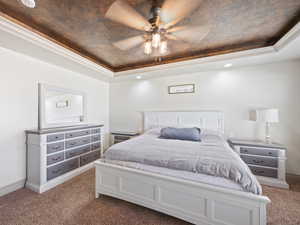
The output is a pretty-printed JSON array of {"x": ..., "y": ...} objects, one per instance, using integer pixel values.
[{"x": 198, "y": 198}]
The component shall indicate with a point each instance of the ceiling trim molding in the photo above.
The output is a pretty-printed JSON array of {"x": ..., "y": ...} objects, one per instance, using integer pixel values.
[
  {"x": 24, "y": 33},
  {"x": 288, "y": 37}
]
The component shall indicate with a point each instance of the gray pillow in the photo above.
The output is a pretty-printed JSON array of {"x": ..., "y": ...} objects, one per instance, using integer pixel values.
[{"x": 188, "y": 134}]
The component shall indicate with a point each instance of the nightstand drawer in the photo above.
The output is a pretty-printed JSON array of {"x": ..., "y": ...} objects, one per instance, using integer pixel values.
[
  {"x": 266, "y": 172},
  {"x": 259, "y": 151},
  {"x": 261, "y": 161}
]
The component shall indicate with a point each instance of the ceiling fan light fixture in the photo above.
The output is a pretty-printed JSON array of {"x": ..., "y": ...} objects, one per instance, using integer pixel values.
[
  {"x": 148, "y": 48},
  {"x": 156, "y": 40},
  {"x": 163, "y": 48},
  {"x": 29, "y": 3}
]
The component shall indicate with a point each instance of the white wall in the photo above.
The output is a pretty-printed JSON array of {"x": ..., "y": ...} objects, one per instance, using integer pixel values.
[
  {"x": 19, "y": 78},
  {"x": 235, "y": 91}
]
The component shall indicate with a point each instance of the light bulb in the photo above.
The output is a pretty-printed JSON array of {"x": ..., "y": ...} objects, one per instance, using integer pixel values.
[
  {"x": 29, "y": 3},
  {"x": 155, "y": 40},
  {"x": 148, "y": 48},
  {"x": 163, "y": 48}
]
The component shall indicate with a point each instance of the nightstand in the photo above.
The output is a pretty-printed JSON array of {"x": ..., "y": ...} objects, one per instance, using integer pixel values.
[
  {"x": 266, "y": 161},
  {"x": 117, "y": 137}
]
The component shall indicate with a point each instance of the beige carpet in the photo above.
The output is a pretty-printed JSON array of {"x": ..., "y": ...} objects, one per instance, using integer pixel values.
[{"x": 73, "y": 203}]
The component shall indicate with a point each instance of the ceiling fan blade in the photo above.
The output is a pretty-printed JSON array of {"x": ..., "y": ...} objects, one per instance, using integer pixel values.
[
  {"x": 121, "y": 12},
  {"x": 175, "y": 10},
  {"x": 193, "y": 34},
  {"x": 129, "y": 43}
]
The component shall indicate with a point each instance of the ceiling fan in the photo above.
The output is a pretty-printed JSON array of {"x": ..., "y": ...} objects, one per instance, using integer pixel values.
[{"x": 160, "y": 27}]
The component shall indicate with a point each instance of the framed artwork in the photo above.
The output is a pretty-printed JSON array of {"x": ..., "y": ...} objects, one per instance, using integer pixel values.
[
  {"x": 181, "y": 89},
  {"x": 63, "y": 104}
]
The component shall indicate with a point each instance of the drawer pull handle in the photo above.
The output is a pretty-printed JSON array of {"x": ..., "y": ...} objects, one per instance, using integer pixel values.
[
  {"x": 259, "y": 171},
  {"x": 57, "y": 158},
  {"x": 56, "y": 171},
  {"x": 258, "y": 161},
  {"x": 73, "y": 143},
  {"x": 270, "y": 153},
  {"x": 56, "y": 147}
]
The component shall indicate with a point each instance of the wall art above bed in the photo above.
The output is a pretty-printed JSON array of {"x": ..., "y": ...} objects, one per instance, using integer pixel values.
[{"x": 181, "y": 89}]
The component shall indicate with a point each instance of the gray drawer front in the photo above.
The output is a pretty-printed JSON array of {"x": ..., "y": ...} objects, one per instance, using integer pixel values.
[
  {"x": 77, "y": 151},
  {"x": 261, "y": 161},
  {"x": 266, "y": 172},
  {"x": 78, "y": 142},
  {"x": 55, "y": 147},
  {"x": 64, "y": 167},
  {"x": 96, "y": 146},
  {"x": 95, "y": 138},
  {"x": 77, "y": 133},
  {"x": 55, "y": 158},
  {"x": 85, "y": 159},
  {"x": 96, "y": 131},
  {"x": 55, "y": 137},
  {"x": 121, "y": 138},
  {"x": 259, "y": 151}
]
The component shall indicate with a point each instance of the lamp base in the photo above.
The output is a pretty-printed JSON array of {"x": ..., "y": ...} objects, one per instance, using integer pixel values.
[{"x": 268, "y": 136}]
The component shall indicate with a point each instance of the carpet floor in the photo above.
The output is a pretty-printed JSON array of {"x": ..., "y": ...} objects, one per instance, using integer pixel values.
[{"x": 73, "y": 203}]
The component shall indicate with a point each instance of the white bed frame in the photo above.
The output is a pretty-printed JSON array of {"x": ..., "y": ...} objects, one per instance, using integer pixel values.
[{"x": 194, "y": 202}]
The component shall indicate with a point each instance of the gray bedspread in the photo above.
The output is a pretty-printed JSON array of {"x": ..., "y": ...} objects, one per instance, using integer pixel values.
[{"x": 211, "y": 156}]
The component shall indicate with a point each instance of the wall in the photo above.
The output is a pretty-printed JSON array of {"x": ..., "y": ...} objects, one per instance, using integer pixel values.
[
  {"x": 19, "y": 77},
  {"x": 234, "y": 91}
]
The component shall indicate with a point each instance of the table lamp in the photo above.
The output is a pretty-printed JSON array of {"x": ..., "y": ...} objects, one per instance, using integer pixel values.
[{"x": 268, "y": 116}]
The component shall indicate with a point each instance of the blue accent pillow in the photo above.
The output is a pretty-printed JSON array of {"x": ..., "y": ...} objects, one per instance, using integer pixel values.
[{"x": 187, "y": 134}]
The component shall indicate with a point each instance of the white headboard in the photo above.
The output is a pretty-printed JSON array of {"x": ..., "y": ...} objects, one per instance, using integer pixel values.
[{"x": 212, "y": 120}]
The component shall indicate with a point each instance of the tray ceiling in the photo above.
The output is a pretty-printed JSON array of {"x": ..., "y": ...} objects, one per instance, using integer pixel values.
[{"x": 80, "y": 26}]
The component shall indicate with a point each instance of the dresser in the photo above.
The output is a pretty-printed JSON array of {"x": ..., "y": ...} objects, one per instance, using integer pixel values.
[
  {"x": 56, "y": 155},
  {"x": 266, "y": 161},
  {"x": 117, "y": 137}
]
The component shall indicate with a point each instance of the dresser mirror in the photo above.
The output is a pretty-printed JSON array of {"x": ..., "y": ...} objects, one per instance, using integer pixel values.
[{"x": 59, "y": 107}]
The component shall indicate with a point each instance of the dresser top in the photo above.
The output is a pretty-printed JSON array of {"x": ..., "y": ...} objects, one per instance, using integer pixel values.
[
  {"x": 255, "y": 143},
  {"x": 62, "y": 129},
  {"x": 125, "y": 133}
]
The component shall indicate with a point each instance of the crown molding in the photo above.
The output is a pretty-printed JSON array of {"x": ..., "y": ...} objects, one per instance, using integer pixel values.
[
  {"x": 187, "y": 66},
  {"x": 36, "y": 39},
  {"x": 288, "y": 37}
]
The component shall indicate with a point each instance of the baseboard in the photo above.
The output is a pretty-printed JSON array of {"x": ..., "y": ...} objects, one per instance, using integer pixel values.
[{"x": 12, "y": 187}]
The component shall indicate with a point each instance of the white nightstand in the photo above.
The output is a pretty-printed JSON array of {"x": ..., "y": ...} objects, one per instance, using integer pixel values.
[
  {"x": 117, "y": 137},
  {"x": 266, "y": 161}
]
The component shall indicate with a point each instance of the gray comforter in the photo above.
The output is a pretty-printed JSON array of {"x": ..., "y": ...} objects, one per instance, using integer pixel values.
[{"x": 211, "y": 156}]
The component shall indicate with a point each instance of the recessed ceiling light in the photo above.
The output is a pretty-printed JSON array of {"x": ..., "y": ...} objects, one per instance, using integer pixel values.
[
  {"x": 29, "y": 3},
  {"x": 138, "y": 77},
  {"x": 228, "y": 65}
]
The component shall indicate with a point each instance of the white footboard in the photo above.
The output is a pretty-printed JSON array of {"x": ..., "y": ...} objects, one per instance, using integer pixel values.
[{"x": 197, "y": 203}]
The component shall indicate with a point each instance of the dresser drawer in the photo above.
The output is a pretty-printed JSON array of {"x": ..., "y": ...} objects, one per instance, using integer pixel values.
[
  {"x": 266, "y": 172},
  {"x": 95, "y": 146},
  {"x": 51, "y": 159},
  {"x": 96, "y": 138},
  {"x": 259, "y": 151},
  {"x": 77, "y": 134},
  {"x": 90, "y": 157},
  {"x": 78, "y": 142},
  {"x": 55, "y": 147},
  {"x": 96, "y": 131},
  {"x": 77, "y": 151},
  {"x": 64, "y": 167},
  {"x": 121, "y": 138},
  {"x": 261, "y": 161},
  {"x": 55, "y": 137}
]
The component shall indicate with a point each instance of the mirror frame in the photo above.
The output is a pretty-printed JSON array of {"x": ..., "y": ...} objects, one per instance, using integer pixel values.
[{"x": 42, "y": 123}]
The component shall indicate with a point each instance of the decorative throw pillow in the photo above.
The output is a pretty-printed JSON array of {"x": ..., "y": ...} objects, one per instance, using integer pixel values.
[{"x": 188, "y": 134}]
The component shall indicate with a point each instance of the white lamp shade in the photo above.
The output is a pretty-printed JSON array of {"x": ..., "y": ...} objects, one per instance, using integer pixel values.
[{"x": 268, "y": 115}]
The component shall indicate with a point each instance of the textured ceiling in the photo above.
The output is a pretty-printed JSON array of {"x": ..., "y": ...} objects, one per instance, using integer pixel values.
[{"x": 80, "y": 25}]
